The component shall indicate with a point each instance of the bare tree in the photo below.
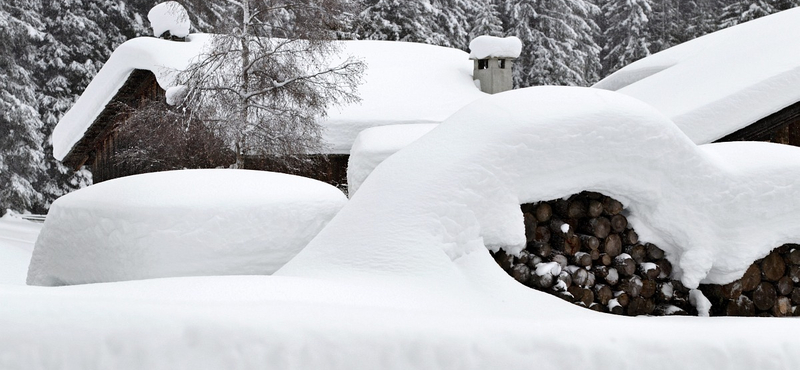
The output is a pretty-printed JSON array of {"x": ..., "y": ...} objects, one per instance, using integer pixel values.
[
  {"x": 266, "y": 82},
  {"x": 155, "y": 137}
]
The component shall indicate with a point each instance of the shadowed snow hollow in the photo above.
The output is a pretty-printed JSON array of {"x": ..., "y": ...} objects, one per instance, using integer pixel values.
[
  {"x": 459, "y": 187},
  {"x": 180, "y": 223}
]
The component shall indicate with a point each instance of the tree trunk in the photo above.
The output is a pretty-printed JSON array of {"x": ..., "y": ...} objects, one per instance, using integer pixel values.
[
  {"x": 751, "y": 278},
  {"x": 544, "y": 212},
  {"x": 773, "y": 266},
  {"x": 618, "y": 223},
  {"x": 612, "y": 245},
  {"x": 599, "y": 227},
  {"x": 764, "y": 297},
  {"x": 611, "y": 206},
  {"x": 595, "y": 209}
]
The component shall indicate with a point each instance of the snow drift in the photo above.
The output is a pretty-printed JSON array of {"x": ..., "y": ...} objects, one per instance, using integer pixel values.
[
  {"x": 373, "y": 145},
  {"x": 714, "y": 209},
  {"x": 180, "y": 223}
]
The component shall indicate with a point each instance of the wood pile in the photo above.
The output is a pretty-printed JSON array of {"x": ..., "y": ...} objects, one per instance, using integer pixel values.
[
  {"x": 770, "y": 287},
  {"x": 582, "y": 250}
]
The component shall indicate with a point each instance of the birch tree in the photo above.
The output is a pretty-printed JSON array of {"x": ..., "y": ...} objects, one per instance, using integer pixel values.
[{"x": 266, "y": 82}]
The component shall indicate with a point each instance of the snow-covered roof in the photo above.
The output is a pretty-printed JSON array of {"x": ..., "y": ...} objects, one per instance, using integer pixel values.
[
  {"x": 719, "y": 83},
  {"x": 403, "y": 83},
  {"x": 162, "y": 57}
]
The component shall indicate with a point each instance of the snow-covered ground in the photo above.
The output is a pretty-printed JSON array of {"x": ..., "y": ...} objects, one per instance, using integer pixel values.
[
  {"x": 16, "y": 245},
  {"x": 401, "y": 277}
]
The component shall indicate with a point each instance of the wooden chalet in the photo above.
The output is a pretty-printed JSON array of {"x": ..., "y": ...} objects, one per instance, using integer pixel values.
[
  {"x": 141, "y": 69},
  {"x": 97, "y": 147}
]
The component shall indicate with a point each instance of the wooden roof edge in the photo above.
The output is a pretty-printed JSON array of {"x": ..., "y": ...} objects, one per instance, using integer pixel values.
[
  {"x": 103, "y": 123},
  {"x": 761, "y": 128}
]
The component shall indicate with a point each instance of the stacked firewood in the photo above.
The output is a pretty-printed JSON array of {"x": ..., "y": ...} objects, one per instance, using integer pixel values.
[
  {"x": 583, "y": 250},
  {"x": 770, "y": 287}
]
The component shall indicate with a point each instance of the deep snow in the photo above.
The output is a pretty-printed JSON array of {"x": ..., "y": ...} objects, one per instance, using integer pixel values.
[
  {"x": 719, "y": 83},
  {"x": 401, "y": 277},
  {"x": 16, "y": 245},
  {"x": 180, "y": 223},
  {"x": 373, "y": 145}
]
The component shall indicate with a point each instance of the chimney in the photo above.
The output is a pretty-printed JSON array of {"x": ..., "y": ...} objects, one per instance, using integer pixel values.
[{"x": 493, "y": 62}]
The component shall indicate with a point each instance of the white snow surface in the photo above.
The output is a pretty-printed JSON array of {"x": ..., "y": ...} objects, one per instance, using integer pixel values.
[
  {"x": 373, "y": 145},
  {"x": 721, "y": 82},
  {"x": 483, "y": 47},
  {"x": 180, "y": 223},
  {"x": 175, "y": 94},
  {"x": 401, "y": 278},
  {"x": 16, "y": 245},
  {"x": 169, "y": 16},
  {"x": 714, "y": 209},
  {"x": 404, "y": 83}
]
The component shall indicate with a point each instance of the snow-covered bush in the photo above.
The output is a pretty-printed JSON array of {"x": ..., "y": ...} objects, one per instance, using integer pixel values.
[
  {"x": 169, "y": 16},
  {"x": 180, "y": 223}
]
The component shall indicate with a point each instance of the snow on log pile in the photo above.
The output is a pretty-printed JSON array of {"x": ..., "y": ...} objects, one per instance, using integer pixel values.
[
  {"x": 180, "y": 223},
  {"x": 695, "y": 202},
  {"x": 770, "y": 287},
  {"x": 582, "y": 250}
]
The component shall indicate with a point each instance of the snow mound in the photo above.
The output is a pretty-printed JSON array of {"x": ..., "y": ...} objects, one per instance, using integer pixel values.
[
  {"x": 458, "y": 188},
  {"x": 483, "y": 47},
  {"x": 169, "y": 16},
  {"x": 719, "y": 83},
  {"x": 180, "y": 223},
  {"x": 373, "y": 145}
]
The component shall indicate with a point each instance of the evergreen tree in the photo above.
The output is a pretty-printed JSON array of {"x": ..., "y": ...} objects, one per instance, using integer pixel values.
[
  {"x": 399, "y": 20},
  {"x": 746, "y": 10},
  {"x": 20, "y": 126},
  {"x": 558, "y": 38},
  {"x": 625, "y": 40},
  {"x": 79, "y": 38},
  {"x": 486, "y": 21}
]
